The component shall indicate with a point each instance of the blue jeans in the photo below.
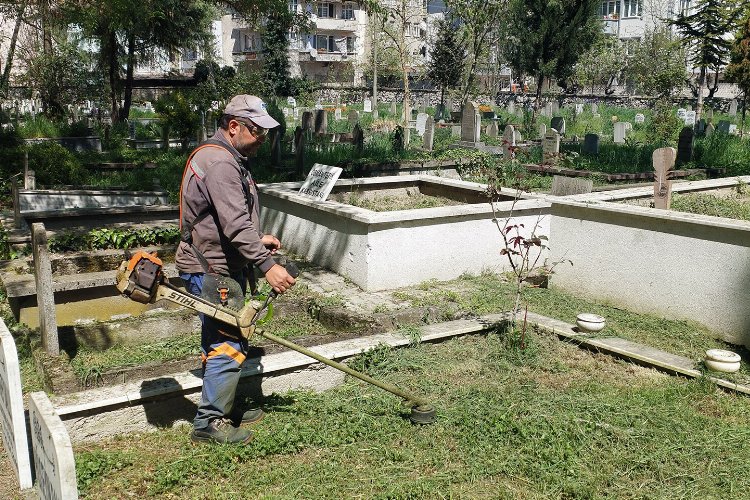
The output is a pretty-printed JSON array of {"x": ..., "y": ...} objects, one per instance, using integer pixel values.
[{"x": 223, "y": 350}]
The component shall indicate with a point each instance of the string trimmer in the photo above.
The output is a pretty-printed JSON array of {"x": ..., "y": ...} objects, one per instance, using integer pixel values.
[{"x": 142, "y": 279}]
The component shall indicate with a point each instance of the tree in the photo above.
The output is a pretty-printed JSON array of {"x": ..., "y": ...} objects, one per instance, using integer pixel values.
[
  {"x": 479, "y": 21},
  {"x": 657, "y": 63},
  {"x": 19, "y": 12},
  {"x": 703, "y": 34},
  {"x": 738, "y": 70},
  {"x": 275, "y": 51},
  {"x": 545, "y": 38},
  {"x": 446, "y": 58},
  {"x": 602, "y": 64}
]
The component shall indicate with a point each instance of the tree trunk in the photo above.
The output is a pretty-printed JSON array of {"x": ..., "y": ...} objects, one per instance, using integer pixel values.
[
  {"x": 5, "y": 79},
  {"x": 109, "y": 51},
  {"x": 538, "y": 103},
  {"x": 744, "y": 111},
  {"x": 701, "y": 86},
  {"x": 128, "y": 97}
]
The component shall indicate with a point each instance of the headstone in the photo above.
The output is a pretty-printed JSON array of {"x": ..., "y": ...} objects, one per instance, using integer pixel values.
[
  {"x": 358, "y": 138},
  {"x": 54, "y": 465},
  {"x": 368, "y": 106},
  {"x": 511, "y": 108},
  {"x": 421, "y": 123},
  {"x": 398, "y": 139},
  {"x": 299, "y": 150},
  {"x": 640, "y": 118},
  {"x": 733, "y": 107},
  {"x": 566, "y": 186},
  {"x": 517, "y": 136},
  {"x": 469, "y": 119},
  {"x": 291, "y": 101},
  {"x": 591, "y": 144},
  {"x": 308, "y": 121},
  {"x": 681, "y": 113},
  {"x": 429, "y": 134},
  {"x": 621, "y": 132},
  {"x": 664, "y": 162},
  {"x": 710, "y": 129},
  {"x": 12, "y": 418},
  {"x": 448, "y": 104},
  {"x": 690, "y": 119},
  {"x": 275, "y": 140},
  {"x": 456, "y": 130},
  {"x": 131, "y": 129},
  {"x": 45, "y": 297},
  {"x": 688, "y": 108},
  {"x": 733, "y": 129},
  {"x": 491, "y": 130},
  {"x": 579, "y": 109},
  {"x": 423, "y": 107},
  {"x": 554, "y": 107},
  {"x": 685, "y": 145},
  {"x": 709, "y": 114},
  {"x": 542, "y": 130},
  {"x": 337, "y": 114},
  {"x": 320, "y": 181},
  {"x": 547, "y": 111},
  {"x": 392, "y": 109},
  {"x": 558, "y": 123},
  {"x": 723, "y": 126},
  {"x": 440, "y": 112},
  {"x": 551, "y": 146},
  {"x": 509, "y": 142},
  {"x": 318, "y": 105},
  {"x": 296, "y": 113},
  {"x": 353, "y": 117},
  {"x": 594, "y": 108},
  {"x": 700, "y": 127},
  {"x": 321, "y": 121},
  {"x": 287, "y": 111}
]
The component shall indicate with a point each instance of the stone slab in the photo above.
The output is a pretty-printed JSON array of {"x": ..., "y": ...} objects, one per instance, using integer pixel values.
[
  {"x": 54, "y": 465},
  {"x": 12, "y": 418}
]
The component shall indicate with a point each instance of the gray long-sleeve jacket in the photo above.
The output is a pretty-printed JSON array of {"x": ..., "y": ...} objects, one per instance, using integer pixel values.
[{"x": 230, "y": 236}]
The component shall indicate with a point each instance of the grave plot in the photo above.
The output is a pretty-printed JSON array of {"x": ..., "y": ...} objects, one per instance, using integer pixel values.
[{"x": 364, "y": 245}]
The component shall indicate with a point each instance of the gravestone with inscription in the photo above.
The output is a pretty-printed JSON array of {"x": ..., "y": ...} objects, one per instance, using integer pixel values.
[
  {"x": 690, "y": 118},
  {"x": 491, "y": 130},
  {"x": 511, "y": 108},
  {"x": 337, "y": 114},
  {"x": 320, "y": 181},
  {"x": 12, "y": 418},
  {"x": 421, "y": 123},
  {"x": 663, "y": 161},
  {"x": 733, "y": 107},
  {"x": 54, "y": 466},
  {"x": 710, "y": 129},
  {"x": 565, "y": 186},
  {"x": 621, "y": 132},
  {"x": 517, "y": 136},
  {"x": 554, "y": 107},
  {"x": 440, "y": 112},
  {"x": 558, "y": 123},
  {"x": 594, "y": 108},
  {"x": 579, "y": 109},
  {"x": 551, "y": 146},
  {"x": 685, "y": 145},
  {"x": 639, "y": 118},
  {"x": 542, "y": 130},
  {"x": 723, "y": 126},
  {"x": 591, "y": 144},
  {"x": 393, "y": 108},
  {"x": 681, "y": 113},
  {"x": 367, "y": 106}
]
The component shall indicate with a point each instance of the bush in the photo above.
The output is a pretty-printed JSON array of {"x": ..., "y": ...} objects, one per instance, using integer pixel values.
[{"x": 55, "y": 165}]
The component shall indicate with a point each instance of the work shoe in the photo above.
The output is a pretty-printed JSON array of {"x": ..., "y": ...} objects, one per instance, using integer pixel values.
[
  {"x": 250, "y": 416},
  {"x": 221, "y": 431}
]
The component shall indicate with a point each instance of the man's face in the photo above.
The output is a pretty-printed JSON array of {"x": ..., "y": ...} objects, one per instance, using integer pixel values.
[{"x": 246, "y": 137}]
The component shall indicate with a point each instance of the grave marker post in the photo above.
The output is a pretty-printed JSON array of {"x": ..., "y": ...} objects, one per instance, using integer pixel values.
[
  {"x": 509, "y": 141},
  {"x": 551, "y": 146},
  {"x": 663, "y": 161},
  {"x": 429, "y": 134},
  {"x": 45, "y": 296},
  {"x": 685, "y": 145}
]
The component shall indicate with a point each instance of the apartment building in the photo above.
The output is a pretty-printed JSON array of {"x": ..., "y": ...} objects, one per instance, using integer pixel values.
[{"x": 629, "y": 19}]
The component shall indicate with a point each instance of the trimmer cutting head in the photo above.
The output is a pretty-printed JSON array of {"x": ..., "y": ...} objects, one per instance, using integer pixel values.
[{"x": 423, "y": 414}]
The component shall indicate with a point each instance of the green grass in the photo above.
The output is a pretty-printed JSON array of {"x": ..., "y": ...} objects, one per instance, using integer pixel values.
[
  {"x": 550, "y": 421},
  {"x": 390, "y": 203},
  {"x": 707, "y": 204}
]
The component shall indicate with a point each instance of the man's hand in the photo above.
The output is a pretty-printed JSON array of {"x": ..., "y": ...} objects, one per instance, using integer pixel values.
[
  {"x": 271, "y": 242},
  {"x": 279, "y": 279}
]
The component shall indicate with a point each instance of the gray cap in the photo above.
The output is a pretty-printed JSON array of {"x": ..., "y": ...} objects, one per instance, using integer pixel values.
[{"x": 252, "y": 108}]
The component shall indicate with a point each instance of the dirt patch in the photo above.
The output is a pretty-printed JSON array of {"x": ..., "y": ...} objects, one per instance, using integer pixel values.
[{"x": 9, "y": 484}]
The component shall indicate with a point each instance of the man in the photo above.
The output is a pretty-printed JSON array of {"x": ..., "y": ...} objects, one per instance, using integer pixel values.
[{"x": 219, "y": 217}]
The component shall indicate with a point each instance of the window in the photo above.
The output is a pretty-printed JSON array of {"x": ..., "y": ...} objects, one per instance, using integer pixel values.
[
  {"x": 350, "y": 44},
  {"x": 325, "y": 9},
  {"x": 684, "y": 8},
  {"x": 325, "y": 43},
  {"x": 293, "y": 5},
  {"x": 190, "y": 55},
  {"x": 251, "y": 43},
  {"x": 611, "y": 9},
  {"x": 632, "y": 8},
  {"x": 347, "y": 11}
]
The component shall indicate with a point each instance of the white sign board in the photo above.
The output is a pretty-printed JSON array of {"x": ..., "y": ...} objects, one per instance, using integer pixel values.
[
  {"x": 12, "y": 416},
  {"x": 291, "y": 101},
  {"x": 320, "y": 181},
  {"x": 54, "y": 466},
  {"x": 368, "y": 106}
]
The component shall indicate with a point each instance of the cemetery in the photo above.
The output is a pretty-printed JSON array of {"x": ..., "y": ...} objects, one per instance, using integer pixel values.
[{"x": 507, "y": 285}]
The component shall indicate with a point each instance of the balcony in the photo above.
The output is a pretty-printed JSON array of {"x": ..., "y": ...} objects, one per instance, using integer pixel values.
[
  {"x": 334, "y": 24},
  {"x": 238, "y": 57},
  {"x": 611, "y": 26}
]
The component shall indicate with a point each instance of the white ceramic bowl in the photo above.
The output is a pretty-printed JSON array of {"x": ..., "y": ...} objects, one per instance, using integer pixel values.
[
  {"x": 719, "y": 360},
  {"x": 590, "y": 322}
]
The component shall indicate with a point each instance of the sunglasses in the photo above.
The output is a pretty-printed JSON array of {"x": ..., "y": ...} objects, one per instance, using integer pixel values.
[{"x": 255, "y": 130}]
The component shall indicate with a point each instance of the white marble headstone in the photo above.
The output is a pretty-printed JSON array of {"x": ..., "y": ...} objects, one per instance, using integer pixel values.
[
  {"x": 54, "y": 466},
  {"x": 368, "y": 106},
  {"x": 690, "y": 118},
  {"x": 337, "y": 114},
  {"x": 421, "y": 123},
  {"x": 579, "y": 109},
  {"x": 11, "y": 409},
  {"x": 681, "y": 113},
  {"x": 733, "y": 107},
  {"x": 320, "y": 181},
  {"x": 621, "y": 131},
  {"x": 291, "y": 101},
  {"x": 639, "y": 118}
]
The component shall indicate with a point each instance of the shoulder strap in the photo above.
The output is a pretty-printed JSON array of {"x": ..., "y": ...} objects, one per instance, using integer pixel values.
[{"x": 186, "y": 229}]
